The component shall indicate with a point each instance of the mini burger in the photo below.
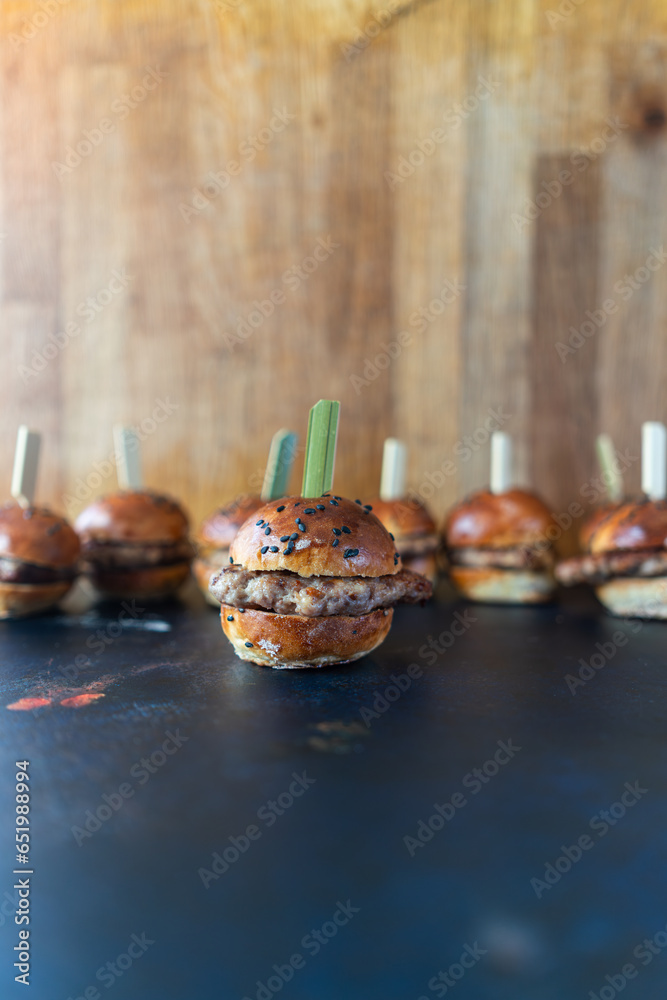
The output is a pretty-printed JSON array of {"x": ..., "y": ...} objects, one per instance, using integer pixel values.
[
  {"x": 626, "y": 560},
  {"x": 135, "y": 544},
  {"x": 500, "y": 547},
  {"x": 414, "y": 532},
  {"x": 313, "y": 583},
  {"x": 215, "y": 536},
  {"x": 39, "y": 556},
  {"x": 591, "y": 522}
]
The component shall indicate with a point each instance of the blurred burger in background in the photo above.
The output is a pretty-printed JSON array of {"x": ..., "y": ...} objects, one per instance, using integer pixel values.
[{"x": 216, "y": 534}]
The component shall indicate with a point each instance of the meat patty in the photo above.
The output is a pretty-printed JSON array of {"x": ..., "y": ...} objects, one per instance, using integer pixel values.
[
  {"x": 513, "y": 558},
  {"x": 316, "y": 596},
  {"x": 16, "y": 571},
  {"x": 416, "y": 545},
  {"x": 598, "y": 568},
  {"x": 140, "y": 554}
]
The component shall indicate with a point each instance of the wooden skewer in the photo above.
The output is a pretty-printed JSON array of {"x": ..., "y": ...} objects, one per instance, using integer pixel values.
[
  {"x": 128, "y": 458},
  {"x": 654, "y": 460},
  {"x": 501, "y": 462},
  {"x": 609, "y": 467},
  {"x": 26, "y": 461},
  {"x": 279, "y": 464},
  {"x": 320, "y": 458},
  {"x": 394, "y": 460}
]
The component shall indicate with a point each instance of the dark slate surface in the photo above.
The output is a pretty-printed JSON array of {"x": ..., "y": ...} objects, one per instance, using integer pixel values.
[{"x": 248, "y": 730}]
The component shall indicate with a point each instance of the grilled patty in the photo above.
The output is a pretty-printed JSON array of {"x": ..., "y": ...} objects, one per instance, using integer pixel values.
[
  {"x": 598, "y": 568},
  {"x": 316, "y": 596},
  {"x": 512, "y": 558},
  {"x": 16, "y": 571},
  {"x": 120, "y": 555}
]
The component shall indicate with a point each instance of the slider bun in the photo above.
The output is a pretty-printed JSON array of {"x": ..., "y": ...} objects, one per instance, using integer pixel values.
[
  {"x": 203, "y": 571},
  {"x": 133, "y": 516},
  {"x": 146, "y": 583},
  {"x": 632, "y": 525},
  {"x": 36, "y": 535},
  {"x": 503, "y": 586},
  {"x": 635, "y": 596},
  {"x": 313, "y": 553},
  {"x": 292, "y": 641},
  {"x": 592, "y": 523},
  {"x": 404, "y": 517},
  {"x": 219, "y": 529},
  {"x": 499, "y": 520},
  {"x": 17, "y": 600}
]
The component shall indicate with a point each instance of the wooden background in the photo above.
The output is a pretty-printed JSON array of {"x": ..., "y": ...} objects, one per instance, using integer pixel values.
[{"x": 361, "y": 98}]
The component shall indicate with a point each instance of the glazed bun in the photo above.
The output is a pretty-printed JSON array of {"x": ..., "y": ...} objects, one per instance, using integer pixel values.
[
  {"x": 38, "y": 536},
  {"x": 404, "y": 518},
  {"x": 220, "y": 528},
  {"x": 591, "y": 524},
  {"x": 292, "y": 641},
  {"x": 498, "y": 586},
  {"x": 364, "y": 546},
  {"x": 632, "y": 525},
  {"x": 133, "y": 516},
  {"x": 499, "y": 520}
]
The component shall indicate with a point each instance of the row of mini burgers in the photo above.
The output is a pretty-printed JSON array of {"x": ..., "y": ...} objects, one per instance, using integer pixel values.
[{"x": 497, "y": 547}]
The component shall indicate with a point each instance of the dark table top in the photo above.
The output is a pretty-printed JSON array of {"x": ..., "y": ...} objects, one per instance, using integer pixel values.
[{"x": 326, "y": 873}]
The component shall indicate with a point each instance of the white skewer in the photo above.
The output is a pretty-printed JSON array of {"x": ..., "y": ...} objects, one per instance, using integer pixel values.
[
  {"x": 128, "y": 458},
  {"x": 501, "y": 462},
  {"x": 654, "y": 460},
  {"x": 609, "y": 467},
  {"x": 26, "y": 459},
  {"x": 394, "y": 460}
]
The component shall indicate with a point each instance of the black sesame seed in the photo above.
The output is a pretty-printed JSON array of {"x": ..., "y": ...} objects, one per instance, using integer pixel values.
[
  {"x": 284, "y": 538},
  {"x": 359, "y": 502},
  {"x": 230, "y": 618},
  {"x": 309, "y": 510},
  {"x": 320, "y": 506},
  {"x": 346, "y": 530},
  {"x": 354, "y": 631},
  {"x": 231, "y": 560},
  {"x": 267, "y": 530},
  {"x": 350, "y": 552},
  {"x": 326, "y": 494},
  {"x": 274, "y": 548},
  {"x": 392, "y": 537},
  {"x": 260, "y": 523},
  {"x": 278, "y": 509},
  {"x": 336, "y": 531},
  {"x": 337, "y": 498},
  {"x": 298, "y": 521},
  {"x": 241, "y": 611},
  {"x": 298, "y": 504},
  {"x": 264, "y": 549},
  {"x": 367, "y": 507},
  {"x": 249, "y": 645},
  {"x": 302, "y": 526},
  {"x": 295, "y": 534},
  {"x": 334, "y": 543},
  {"x": 333, "y": 503}
]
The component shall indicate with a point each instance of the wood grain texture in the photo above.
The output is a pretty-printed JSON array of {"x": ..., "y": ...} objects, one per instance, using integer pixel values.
[{"x": 182, "y": 241}]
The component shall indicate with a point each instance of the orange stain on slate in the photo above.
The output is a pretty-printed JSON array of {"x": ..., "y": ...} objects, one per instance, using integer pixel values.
[
  {"x": 27, "y": 704},
  {"x": 80, "y": 699}
]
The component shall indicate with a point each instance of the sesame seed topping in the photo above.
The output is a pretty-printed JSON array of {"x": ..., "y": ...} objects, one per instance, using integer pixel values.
[
  {"x": 336, "y": 531},
  {"x": 320, "y": 506},
  {"x": 231, "y": 560},
  {"x": 260, "y": 523},
  {"x": 326, "y": 494},
  {"x": 298, "y": 503},
  {"x": 302, "y": 526},
  {"x": 359, "y": 502},
  {"x": 298, "y": 521},
  {"x": 264, "y": 549},
  {"x": 392, "y": 537},
  {"x": 333, "y": 503},
  {"x": 230, "y": 618},
  {"x": 241, "y": 611},
  {"x": 367, "y": 508},
  {"x": 295, "y": 534},
  {"x": 249, "y": 645},
  {"x": 284, "y": 538},
  {"x": 278, "y": 509},
  {"x": 349, "y": 553},
  {"x": 267, "y": 530},
  {"x": 309, "y": 510},
  {"x": 354, "y": 631},
  {"x": 274, "y": 548},
  {"x": 346, "y": 530},
  {"x": 337, "y": 498},
  {"x": 334, "y": 543}
]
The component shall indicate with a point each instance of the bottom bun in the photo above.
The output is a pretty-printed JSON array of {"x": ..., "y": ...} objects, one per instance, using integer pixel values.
[
  {"x": 145, "y": 583},
  {"x": 426, "y": 565},
  {"x": 17, "y": 600},
  {"x": 203, "y": 570},
  {"x": 293, "y": 641},
  {"x": 503, "y": 586},
  {"x": 635, "y": 596}
]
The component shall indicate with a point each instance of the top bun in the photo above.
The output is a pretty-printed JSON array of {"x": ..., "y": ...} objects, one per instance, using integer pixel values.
[
  {"x": 219, "y": 529},
  {"x": 499, "y": 521},
  {"x": 133, "y": 516},
  {"x": 37, "y": 535},
  {"x": 592, "y": 522},
  {"x": 632, "y": 525},
  {"x": 364, "y": 545},
  {"x": 404, "y": 518}
]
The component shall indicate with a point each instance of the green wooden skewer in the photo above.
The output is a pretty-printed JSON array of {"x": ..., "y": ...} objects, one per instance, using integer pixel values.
[
  {"x": 279, "y": 464},
  {"x": 609, "y": 468},
  {"x": 318, "y": 466}
]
